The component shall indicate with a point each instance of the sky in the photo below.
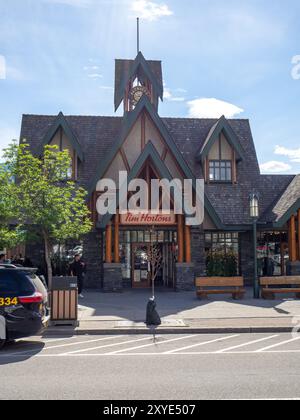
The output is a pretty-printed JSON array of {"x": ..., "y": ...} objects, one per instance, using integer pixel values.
[{"x": 237, "y": 58}]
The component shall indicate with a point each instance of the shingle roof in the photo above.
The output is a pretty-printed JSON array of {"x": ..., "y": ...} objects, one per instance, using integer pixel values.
[
  {"x": 97, "y": 135},
  {"x": 289, "y": 197}
]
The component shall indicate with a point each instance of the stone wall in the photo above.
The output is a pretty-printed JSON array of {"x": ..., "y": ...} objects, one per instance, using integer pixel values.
[
  {"x": 92, "y": 256},
  {"x": 198, "y": 251},
  {"x": 247, "y": 257}
]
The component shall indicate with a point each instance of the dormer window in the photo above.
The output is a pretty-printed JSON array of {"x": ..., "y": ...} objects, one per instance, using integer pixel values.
[
  {"x": 220, "y": 171},
  {"x": 220, "y": 154}
]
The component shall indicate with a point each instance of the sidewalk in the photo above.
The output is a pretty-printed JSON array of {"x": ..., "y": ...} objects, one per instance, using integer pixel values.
[{"x": 183, "y": 313}]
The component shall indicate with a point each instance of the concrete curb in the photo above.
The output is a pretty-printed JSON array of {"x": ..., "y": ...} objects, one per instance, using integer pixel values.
[{"x": 65, "y": 331}]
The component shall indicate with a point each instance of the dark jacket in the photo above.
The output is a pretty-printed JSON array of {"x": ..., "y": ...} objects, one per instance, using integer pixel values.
[{"x": 78, "y": 268}]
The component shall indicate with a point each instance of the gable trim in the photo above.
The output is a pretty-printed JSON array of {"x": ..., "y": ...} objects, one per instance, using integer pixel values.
[
  {"x": 222, "y": 126},
  {"x": 61, "y": 122},
  {"x": 288, "y": 214}
]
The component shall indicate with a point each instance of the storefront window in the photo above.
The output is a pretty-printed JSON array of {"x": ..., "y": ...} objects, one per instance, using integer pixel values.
[
  {"x": 272, "y": 253},
  {"x": 222, "y": 254},
  {"x": 129, "y": 239}
]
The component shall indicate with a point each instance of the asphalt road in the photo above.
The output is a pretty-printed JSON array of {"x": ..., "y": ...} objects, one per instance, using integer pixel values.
[{"x": 232, "y": 366}]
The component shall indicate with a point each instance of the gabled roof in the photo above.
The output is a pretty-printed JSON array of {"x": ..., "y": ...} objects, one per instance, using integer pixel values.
[
  {"x": 128, "y": 123},
  {"x": 151, "y": 153},
  {"x": 128, "y": 69},
  {"x": 288, "y": 204},
  {"x": 61, "y": 122},
  {"x": 98, "y": 135},
  {"x": 221, "y": 125}
]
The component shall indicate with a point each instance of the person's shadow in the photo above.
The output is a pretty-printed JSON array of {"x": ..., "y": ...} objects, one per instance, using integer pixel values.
[{"x": 19, "y": 351}]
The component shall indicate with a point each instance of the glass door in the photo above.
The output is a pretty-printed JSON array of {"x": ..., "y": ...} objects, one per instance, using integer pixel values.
[{"x": 141, "y": 277}]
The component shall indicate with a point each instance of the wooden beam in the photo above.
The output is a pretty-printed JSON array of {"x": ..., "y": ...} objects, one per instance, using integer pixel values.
[
  {"x": 233, "y": 169},
  {"x": 108, "y": 244},
  {"x": 143, "y": 130},
  {"x": 124, "y": 158},
  {"x": 187, "y": 239},
  {"x": 116, "y": 244},
  {"x": 180, "y": 238},
  {"x": 293, "y": 244}
]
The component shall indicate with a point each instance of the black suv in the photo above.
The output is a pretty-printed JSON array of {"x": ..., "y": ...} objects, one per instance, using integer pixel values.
[{"x": 23, "y": 304}]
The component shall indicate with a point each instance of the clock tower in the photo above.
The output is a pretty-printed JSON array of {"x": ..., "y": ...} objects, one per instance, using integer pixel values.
[{"x": 135, "y": 79}]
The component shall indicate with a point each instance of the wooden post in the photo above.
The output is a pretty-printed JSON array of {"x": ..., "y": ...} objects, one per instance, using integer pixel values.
[
  {"x": 143, "y": 130},
  {"x": 299, "y": 234},
  {"x": 187, "y": 238},
  {"x": 292, "y": 241},
  {"x": 180, "y": 238},
  {"x": 117, "y": 228},
  {"x": 108, "y": 240}
]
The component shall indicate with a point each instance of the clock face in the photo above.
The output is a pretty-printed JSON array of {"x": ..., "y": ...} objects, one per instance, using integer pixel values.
[{"x": 136, "y": 93}]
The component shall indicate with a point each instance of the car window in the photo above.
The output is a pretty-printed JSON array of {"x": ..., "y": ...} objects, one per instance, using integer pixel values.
[
  {"x": 12, "y": 283},
  {"x": 37, "y": 283}
]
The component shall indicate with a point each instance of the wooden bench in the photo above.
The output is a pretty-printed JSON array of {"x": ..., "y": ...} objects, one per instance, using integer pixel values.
[
  {"x": 220, "y": 285},
  {"x": 270, "y": 286}
]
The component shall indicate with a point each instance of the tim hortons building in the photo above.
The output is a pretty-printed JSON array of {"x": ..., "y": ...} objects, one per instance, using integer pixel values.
[{"x": 221, "y": 152}]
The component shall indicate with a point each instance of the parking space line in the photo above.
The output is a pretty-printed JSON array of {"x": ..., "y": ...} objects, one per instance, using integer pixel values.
[
  {"x": 108, "y": 345},
  {"x": 151, "y": 344},
  {"x": 278, "y": 344},
  {"x": 202, "y": 344},
  {"x": 247, "y": 344},
  {"x": 84, "y": 342}
]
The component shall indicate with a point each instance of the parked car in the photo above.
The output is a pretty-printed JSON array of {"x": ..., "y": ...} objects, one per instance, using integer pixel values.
[{"x": 23, "y": 304}]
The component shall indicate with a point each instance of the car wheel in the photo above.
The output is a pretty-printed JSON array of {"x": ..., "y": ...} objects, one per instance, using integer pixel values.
[{"x": 2, "y": 343}]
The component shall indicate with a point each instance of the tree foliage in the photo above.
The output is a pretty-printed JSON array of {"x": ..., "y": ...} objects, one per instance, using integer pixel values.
[{"x": 45, "y": 199}]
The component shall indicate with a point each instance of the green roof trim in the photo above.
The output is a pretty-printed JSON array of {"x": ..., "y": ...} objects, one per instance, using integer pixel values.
[
  {"x": 139, "y": 61},
  {"x": 61, "y": 122},
  {"x": 129, "y": 120},
  {"x": 222, "y": 126},
  {"x": 148, "y": 152},
  {"x": 288, "y": 214}
]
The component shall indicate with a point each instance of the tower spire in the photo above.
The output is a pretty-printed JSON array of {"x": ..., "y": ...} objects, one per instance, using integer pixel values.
[{"x": 138, "y": 35}]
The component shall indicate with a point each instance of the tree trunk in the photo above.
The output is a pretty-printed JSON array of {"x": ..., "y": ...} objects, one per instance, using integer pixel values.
[{"x": 48, "y": 259}]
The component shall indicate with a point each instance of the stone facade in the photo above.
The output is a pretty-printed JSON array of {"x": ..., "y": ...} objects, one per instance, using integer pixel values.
[
  {"x": 247, "y": 257},
  {"x": 185, "y": 277},
  {"x": 92, "y": 256},
  {"x": 112, "y": 280}
]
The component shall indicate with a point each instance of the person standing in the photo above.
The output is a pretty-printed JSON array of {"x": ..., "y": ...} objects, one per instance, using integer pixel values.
[
  {"x": 2, "y": 258},
  {"x": 78, "y": 269}
]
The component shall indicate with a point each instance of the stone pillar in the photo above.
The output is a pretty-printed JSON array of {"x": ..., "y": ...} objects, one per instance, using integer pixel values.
[
  {"x": 198, "y": 251},
  {"x": 247, "y": 257},
  {"x": 185, "y": 277},
  {"x": 93, "y": 257},
  {"x": 112, "y": 280}
]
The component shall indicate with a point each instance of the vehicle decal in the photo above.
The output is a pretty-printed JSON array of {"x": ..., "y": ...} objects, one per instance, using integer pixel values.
[{"x": 2, "y": 328}]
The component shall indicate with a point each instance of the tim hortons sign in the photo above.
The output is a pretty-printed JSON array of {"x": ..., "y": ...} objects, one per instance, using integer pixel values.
[{"x": 148, "y": 219}]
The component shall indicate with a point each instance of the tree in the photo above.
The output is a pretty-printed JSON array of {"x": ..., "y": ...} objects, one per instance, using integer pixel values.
[
  {"x": 9, "y": 236},
  {"x": 48, "y": 202},
  {"x": 155, "y": 260}
]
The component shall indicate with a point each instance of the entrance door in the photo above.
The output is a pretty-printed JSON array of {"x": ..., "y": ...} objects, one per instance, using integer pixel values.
[{"x": 141, "y": 277}]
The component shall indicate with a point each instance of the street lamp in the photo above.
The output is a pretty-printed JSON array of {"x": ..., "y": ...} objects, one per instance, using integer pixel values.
[{"x": 254, "y": 214}]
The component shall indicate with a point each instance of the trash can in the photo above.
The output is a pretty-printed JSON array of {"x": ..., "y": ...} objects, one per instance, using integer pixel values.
[{"x": 64, "y": 301}]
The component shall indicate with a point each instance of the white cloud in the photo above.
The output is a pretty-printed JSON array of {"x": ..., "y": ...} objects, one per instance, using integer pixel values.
[
  {"x": 292, "y": 154},
  {"x": 212, "y": 108},
  {"x": 75, "y": 3},
  {"x": 2, "y": 67},
  {"x": 149, "y": 10},
  {"x": 275, "y": 167},
  {"x": 95, "y": 76},
  {"x": 171, "y": 96}
]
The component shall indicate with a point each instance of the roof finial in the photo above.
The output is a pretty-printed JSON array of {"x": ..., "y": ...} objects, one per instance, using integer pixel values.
[{"x": 138, "y": 35}]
